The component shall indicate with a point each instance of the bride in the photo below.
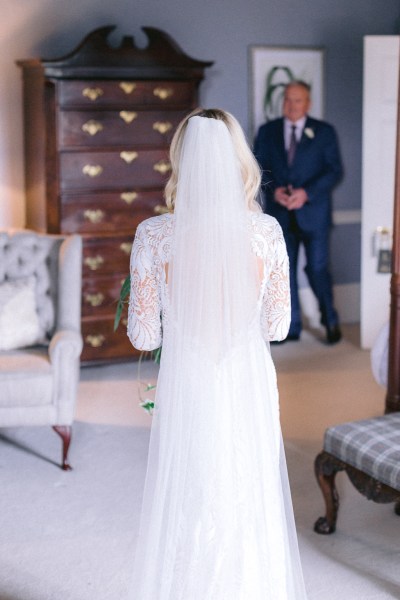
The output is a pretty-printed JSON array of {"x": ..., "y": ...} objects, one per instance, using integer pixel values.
[{"x": 210, "y": 282}]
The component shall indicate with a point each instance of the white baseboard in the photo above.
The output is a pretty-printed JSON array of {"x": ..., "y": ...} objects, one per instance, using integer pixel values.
[
  {"x": 347, "y": 303},
  {"x": 346, "y": 217}
]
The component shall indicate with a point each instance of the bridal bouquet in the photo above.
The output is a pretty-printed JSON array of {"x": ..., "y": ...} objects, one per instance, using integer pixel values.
[{"x": 123, "y": 300}]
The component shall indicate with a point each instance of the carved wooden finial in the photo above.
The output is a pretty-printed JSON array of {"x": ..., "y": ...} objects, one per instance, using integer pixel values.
[{"x": 96, "y": 51}]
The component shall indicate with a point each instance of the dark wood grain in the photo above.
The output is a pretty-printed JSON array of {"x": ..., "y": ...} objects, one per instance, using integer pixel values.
[
  {"x": 95, "y": 128},
  {"x": 101, "y": 212},
  {"x": 101, "y": 343},
  {"x": 392, "y": 402},
  {"x": 110, "y": 93},
  {"x": 114, "y": 171},
  {"x": 326, "y": 467},
  {"x": 65, "y": 432},
  {"x": 88, "y": 109}
]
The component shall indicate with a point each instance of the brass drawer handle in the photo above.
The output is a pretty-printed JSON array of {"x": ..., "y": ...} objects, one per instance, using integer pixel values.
[
  {"x": 95, "y": 340},
  {"x": 163, "y": 93},
  {"x": 92, "y": 170},
  {"x": 128, "y": 116},
  {"x": 92, "y": 93},
  {"x": 93, "y": 262},
  {"x": 94, "y": 299},
  {"x": 163, "y": 166},
  {"x": 127, "y": 86},
  {"x": 128, "y": 197},
  {"x": 92, "y": 127},
  {"x": 128, "y": 157},
  {"x": 160, "y": 209},
  {"x": 126, "y": 247},
  {"x": 162, "y": 127},
  {"x": 94, "y": 216}
]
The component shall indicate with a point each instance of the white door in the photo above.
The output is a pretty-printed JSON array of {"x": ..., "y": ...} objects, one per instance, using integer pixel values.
[{"x": 381, "y": 72}]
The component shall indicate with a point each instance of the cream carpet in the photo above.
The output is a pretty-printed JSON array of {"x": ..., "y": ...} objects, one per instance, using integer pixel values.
[{"x": 71, "y": 536}]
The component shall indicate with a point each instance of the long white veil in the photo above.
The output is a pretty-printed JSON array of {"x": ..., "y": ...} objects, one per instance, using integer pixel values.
[
  {"x": 217, "y": 521},
  {"x": 213, "y": 278}
]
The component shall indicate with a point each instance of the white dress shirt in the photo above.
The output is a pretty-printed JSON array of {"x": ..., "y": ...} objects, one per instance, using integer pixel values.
[{"x": 287, "y": 130}]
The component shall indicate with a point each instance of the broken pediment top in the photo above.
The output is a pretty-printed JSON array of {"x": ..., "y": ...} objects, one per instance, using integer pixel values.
[{"x": 95, "y": 50}]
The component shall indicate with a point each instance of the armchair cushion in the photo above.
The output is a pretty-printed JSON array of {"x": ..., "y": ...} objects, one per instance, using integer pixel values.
[
  {"x": 19, "y": 320},
  {"x": 371, "y": 445},
  {"x": 25, "y": 370},
  {"x": 26, "y": 254}
]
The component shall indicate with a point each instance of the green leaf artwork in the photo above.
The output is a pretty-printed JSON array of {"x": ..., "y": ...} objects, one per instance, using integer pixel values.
[{"x": 276, "y": 80}]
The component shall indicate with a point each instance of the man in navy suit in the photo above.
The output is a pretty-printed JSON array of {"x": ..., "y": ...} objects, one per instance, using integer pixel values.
[{"x": 301, "y": 165}]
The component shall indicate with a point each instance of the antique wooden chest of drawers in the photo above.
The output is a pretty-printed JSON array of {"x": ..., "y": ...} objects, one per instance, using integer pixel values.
[{"x": 97, "y": 125}]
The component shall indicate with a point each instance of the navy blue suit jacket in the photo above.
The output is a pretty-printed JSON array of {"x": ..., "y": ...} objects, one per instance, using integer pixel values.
[{"x": 317, "y": 167}]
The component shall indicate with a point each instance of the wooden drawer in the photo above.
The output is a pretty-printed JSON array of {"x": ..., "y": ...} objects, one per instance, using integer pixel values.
[
  {"x": 100, "y": 295},
  {"x": 107, "y": 255},
  {"x": 125, "y": 93},
  {"x": 102, "y": 212},
  {"x": 81, "y": 111},
  {"x": 116, "y": 128},
  {"x": 101, "y": 342},
  {"x": 128, "y": 167}
]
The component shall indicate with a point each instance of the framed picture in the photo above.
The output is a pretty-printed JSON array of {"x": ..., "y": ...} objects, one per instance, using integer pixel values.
[{"x": 271, "y": 68}]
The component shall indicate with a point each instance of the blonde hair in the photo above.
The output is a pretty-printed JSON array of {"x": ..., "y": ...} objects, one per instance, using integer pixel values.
[{"x": 248, "y": 165}]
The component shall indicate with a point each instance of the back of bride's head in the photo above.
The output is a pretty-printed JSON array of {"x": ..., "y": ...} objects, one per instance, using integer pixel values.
[
  {"x": 213, "y": 279},
  {"x": 227, "y": 126}
]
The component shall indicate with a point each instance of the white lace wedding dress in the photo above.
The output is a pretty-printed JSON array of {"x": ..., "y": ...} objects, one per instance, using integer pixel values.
[{"x": 217, "y": 520}]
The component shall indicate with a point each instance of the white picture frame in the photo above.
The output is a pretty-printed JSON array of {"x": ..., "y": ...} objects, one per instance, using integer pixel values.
[{"x": 271, "y": 68}]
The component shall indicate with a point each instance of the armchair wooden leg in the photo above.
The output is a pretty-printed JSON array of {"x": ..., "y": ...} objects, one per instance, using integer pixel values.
[
  {"x": 65, "y": 432},
  {"x": 326, "y": 467}
]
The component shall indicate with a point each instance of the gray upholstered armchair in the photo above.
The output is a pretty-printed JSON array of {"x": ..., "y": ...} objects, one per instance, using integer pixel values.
[{"x": 40, "y": 338}]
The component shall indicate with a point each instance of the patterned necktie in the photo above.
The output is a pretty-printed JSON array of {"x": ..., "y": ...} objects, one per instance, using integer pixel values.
[{"x": 292, "y": 146}]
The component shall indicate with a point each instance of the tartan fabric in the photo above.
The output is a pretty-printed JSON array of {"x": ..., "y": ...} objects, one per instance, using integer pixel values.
[{"x": 372, "y": 446}]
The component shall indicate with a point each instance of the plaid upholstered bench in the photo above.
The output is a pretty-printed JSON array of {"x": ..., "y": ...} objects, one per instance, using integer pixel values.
[{"x": 369, "y": 452}]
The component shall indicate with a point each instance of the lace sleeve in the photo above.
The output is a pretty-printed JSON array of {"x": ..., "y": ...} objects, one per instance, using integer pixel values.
[
  {"x": 276, "y": 302},
  {"x": 144, "y": 312}
]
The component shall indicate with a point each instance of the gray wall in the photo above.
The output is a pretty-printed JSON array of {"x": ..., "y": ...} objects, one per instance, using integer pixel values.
[{"x": 219, "y": 30}]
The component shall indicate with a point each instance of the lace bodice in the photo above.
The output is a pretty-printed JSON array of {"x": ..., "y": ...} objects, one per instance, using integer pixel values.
[{"x": 151, "y": 251}]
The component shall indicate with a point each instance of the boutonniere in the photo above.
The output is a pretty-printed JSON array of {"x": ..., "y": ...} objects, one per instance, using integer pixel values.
[{"x": 309, "y": 133}]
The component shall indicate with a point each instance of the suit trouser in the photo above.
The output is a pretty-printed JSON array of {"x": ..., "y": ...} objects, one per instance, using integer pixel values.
[{"x": 316, "y": 245}]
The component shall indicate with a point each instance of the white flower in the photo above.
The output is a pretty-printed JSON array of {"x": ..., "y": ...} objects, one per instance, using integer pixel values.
[{"x": 309, "y": 132}]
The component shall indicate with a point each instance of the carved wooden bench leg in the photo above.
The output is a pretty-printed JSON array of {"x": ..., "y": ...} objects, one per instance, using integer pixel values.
[
  {"x": 326, "y": 466},
  {"x": 64, "y": 431}
]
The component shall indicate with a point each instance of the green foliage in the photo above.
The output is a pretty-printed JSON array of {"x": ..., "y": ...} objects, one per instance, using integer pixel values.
[
  {"x": 146, "y": 403},
  {"x": 150, "y": 387},
  {"x": 122, "y": 301},
  {"x": 155, "y": 355},
  {"x": 148, "y": 406}
]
